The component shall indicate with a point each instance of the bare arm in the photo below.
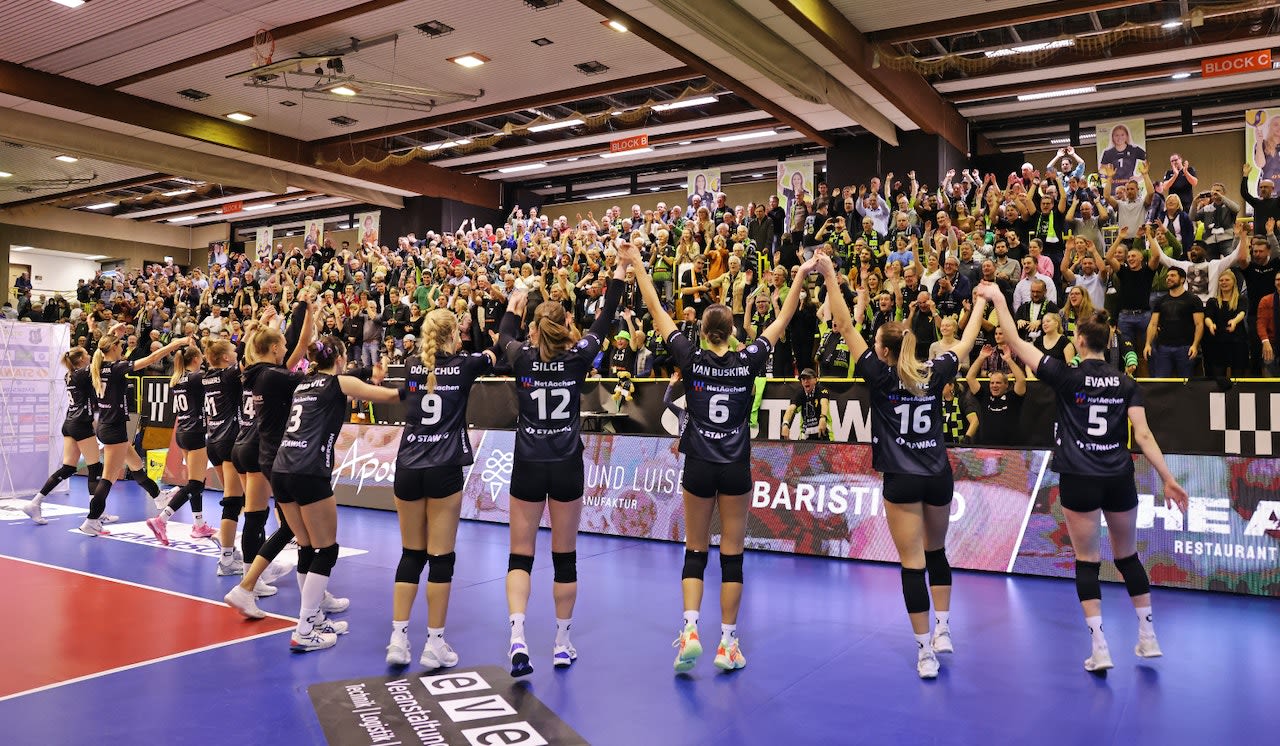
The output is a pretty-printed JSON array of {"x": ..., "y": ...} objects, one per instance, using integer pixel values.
[
  {"x": 662, "y": 322},
  {"x": 161, "y": 353},
  {"x": 971, "y": 329},
  {"x": 1025, "y": 351},
  {"x": 779, "y": 326},
  {"x": 841, "y": 319},
  {"x": 357, "y": 389},
  {"x": 1173, "y": 492}
]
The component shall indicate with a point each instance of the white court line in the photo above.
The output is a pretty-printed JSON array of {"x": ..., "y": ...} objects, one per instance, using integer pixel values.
[
  {"x": 150, "y": 661},
  {"x": 1031, "y": 504}
]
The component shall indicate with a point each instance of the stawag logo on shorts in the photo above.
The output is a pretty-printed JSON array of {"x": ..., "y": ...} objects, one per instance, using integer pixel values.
[
  {"x": 1256, "y": 418},
  {"x": 470, "y": 707}
]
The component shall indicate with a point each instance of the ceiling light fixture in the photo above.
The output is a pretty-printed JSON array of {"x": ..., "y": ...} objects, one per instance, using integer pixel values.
[
  {"x": 571, "y": 160},
  {"x": 685, "y": 142},
  {"x": 182, "y": 219},
  {"x": 96, "y": 257},
  {"x": 262, "y": 206},
  {"x": 615, "y": 26},
  {"x": 239, "y": 116},
  {"x": 542, "y": 4},
  {"x": 1180, "y": 76},
  {"x": 543, "y": 41},
  {"x": 757, "y": 176},
  {"x": 747, "y": 136},
  {"x": 192, "y": 94},
  {"x": 19, "y": 248},
  {"x": 1025, "y": 48},
  {"x": 343, "y": 121},
  {"x": 594, "y": 67},
  {"x": 100, "y": 206},
  {"x": 556, "y": 125},
  {"x": 686, "y": 103},
  {"x": 626, "y": 152},
  {"x": 70, "y": 3},
  {"x": 607, "y": 195},
  {"x": 523, "y": 167},
  {"x": 434, "y": 28},
  {"x": 1058, "y": 93},
  {"x": 5, "y": 174},
  {"x": 344, "y": 90},
  {"x": 66, "y": 158},
  {"x": 472, "y": 59},
  {"x": 1171, "y": 24},
  {"x": 177, "y": 192},
  {"x": 444, "y": 145}
]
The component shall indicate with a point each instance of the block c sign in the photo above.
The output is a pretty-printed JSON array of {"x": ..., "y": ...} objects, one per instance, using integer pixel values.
[{"x": 1235, "y": 64}]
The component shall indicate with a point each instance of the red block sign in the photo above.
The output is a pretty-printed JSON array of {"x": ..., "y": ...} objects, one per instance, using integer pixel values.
[
  {"x": 1233, "y": 64},
  {"x": 231, "y": 207},
  {"x": 637, "y": 142}
]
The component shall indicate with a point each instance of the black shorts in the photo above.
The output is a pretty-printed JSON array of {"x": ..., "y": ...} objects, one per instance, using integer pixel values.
[
  {"x": 707, "y": 479},
  {"x": 219, "y": 451},
  {"x": 1084, "y": 493},
  {"x": 78, "y": 431},
  {"x": 190, "y": 441},
  {"x": 303, "y": 489},
  {"x": 433, "y": 482},
  {"x": 535, "y": 481},
  {"x": 110, "y": 434},
  {"x": 244, "y": 457},
  {"x": 267, "y": 458},
  {"x": 904, "y": 489}
]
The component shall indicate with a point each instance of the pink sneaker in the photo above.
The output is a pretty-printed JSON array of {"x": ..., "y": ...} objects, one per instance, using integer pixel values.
[
  {"x": 159, "y": 527},
  {"x": 203, "y": 531}
]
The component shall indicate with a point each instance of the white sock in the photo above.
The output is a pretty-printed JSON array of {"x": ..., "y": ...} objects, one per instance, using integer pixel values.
[
  {"x": 39, "y": 498},
  {"x": 302, "y": 583},
  {"x": 400, "y": 629},
  {"x": 923, "y": 644},
  {"x": 517, "y": 627},
  {"x": 562, "y": 631},
  {"x": 691, "y": 617},
  {"x": 942, "y": 618},
  {"x": 228, "y": 554},
  {"x": 728, "y": 632},
  {"x": 435, "y": 636},
  {"x": 199, "y": 518},
  {"x": 312, "y": 595},
  {"x": 166, "y": 514},
  {"x": 1146, "y": 628},
  {"x": 1095, "y": 631}
]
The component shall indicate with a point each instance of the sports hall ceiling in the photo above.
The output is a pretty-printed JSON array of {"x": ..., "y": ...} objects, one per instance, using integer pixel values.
[{"x": 139, "y": 90}]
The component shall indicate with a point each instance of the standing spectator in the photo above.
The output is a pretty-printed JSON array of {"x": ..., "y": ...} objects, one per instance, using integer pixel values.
[
  {"x": 1031, "y": 313},
  {"x": 1131, "y": 206},
  {"x": 999, "y": 406},
  {"x": 1259, "y": 282},
  {"x": 1175, "y": 330},
  {"x": 1218, "y": 214},
  {"x": 372, "y": 334},
  {"x": 1133, "y": 279},
  {"x": 1268, "y": 327},
  {"x": 1266, "y": 206},
  {"x": 960, "y": 420},
  {"x": 694, "y": 287},
  {"x": 1226, "y": 340},
  {"x": 1180, "y": 180}
]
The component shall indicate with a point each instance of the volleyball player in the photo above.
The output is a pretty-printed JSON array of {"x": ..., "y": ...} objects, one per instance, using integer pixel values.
[
  {"x": 1095, "y": 406},
  {"x": 549, "y": 370},
  {"x": 186, "y": 391},
  {"x": 221, "y": 385},
  {"x": 77, "y": 432},
  {"x": 716, "y": 443},
  {"x": 907, "y": 447},
  {"x": 434, "y": 446},
  {"x": 301, "y": 478},
  {"x": 110, "y": 382},
  {"x": 266, "y": 390}
]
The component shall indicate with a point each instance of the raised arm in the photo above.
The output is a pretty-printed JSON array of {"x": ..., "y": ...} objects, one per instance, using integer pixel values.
[
  {"x": 971, "y": 329},
  {"x": 168, "y": 349},
  {"x": 662, "y": 322},
  {"x": 357, "y": 389},
  {"x": 840, "y": 317},
  {"x": 1025, "y": 351},
  {"x": 779, "y": 325}
]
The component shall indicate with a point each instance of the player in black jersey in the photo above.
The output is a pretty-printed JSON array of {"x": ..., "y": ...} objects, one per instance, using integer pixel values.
[
  {"x": 301, "y": 478},
  {"x": 77, "y": 432},
  {"x": 716, "y": 443},
  {"x": 907, "y": 447},
  {"x": 813, "y": 403},
  {"x": 110, "y": 382},
  {"x": 1096, "y": 403},
  {"x": 549, "y": 370},
  {"x": 221, "y": 384},
  {"x": 434, "y": 446},
  {"x": 186, "y": 391}
]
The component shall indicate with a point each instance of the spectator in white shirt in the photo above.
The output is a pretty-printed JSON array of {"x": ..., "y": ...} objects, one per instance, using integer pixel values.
[{"x": 1022, "y": 292}]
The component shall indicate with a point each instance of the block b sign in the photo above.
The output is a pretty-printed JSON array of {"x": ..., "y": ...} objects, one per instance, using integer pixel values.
[
  {"x": 637, "y": 142},
  {"x": 1235, "y": 64}
]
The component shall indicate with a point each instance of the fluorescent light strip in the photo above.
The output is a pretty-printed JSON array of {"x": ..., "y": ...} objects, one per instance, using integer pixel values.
[
  {"x": 616, "y": 26},
  {"x": 607, "y": 195},
  {"x": 626, "y": 152},
  {"x": 1180, "y": 76},
  {"x": 263, "y": 206},
  {"x": 448, "y": 144},
  {"x": 1171, "y": 25},
  {"x": 183, "y": 219},
  {"x": 747, "y": 136},
  {"x": 686, "y": 103},
  {"x": 100, "y": 206},
  {"x": 343, "y": 90},
  {"x": 178, "y": 192},
  {"x": 5, "y": 174},
  {"x": 70, "y": 3},
  {"x": 556, "y": 125},
  {"x": 524, "y": 167},
  {"x": 1025, "y": 48},
  {"x": 66, "y": 158},
  {"x": 1058, "y": 93},
  {"x": 239, "y": 116}
]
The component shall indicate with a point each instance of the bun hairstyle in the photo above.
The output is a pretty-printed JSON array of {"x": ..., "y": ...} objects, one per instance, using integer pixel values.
[
  {"x": 438, "y": 328},
  {"x": 1095, "y": 331},
  {"x": 326, "y": 351},
  {"x": 187, "y": 359},
  {"x": 717, "y": 324},
  {"x": 108, "y": 341},
  {"x": 898, "y": 339},
  {"x": 218, "y": 351},
  {"x": 74, "y": 358},
  {"x": 554, "y": 335}
]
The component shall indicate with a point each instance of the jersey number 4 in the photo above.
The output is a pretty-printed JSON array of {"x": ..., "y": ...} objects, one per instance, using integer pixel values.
[
  {"x": 560, "y": 408},
  {"x": 917, "y": 421}
]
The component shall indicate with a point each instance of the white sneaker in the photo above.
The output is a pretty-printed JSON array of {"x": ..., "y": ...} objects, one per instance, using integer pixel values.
[
  {"x": 441, "y": 656},
  {"x": 927, "y": 664},
  {"x": 942, "y": 640},
  {"x": 165, "y": 497},
  {"x": 234, "y": 567},
  {"x": 519, "y": 654},
  {"x": 93, "y": 527},
  {"x": 32, "y": 509},
  {"x": 564, "y": 655},
  {"x": 329, "y": 626},
  {"x": 1148, "y": 647},
  {"x": 1099, "y": 661},
  {"x": 274, "y": 572},
  {"x": 263, "y": 590},
  {"x": 315, "y": 640},
  {"x": 398, "y": 651},
  {"x": 333, "y": 605},
  {"x": 244, "y": 602},
  {"x": 108, "y": 518}
]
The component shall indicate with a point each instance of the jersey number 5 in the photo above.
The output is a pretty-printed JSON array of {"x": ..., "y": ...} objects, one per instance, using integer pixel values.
[{"x": 1097, "y": 420}]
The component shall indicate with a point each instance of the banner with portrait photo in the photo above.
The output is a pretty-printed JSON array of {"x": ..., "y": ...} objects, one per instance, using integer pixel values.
[
  {"x": 218, "y": 253},
  {"x": 367, "y": 227},
  {"x": 1121, "y": 144},
  {"x": 795, "y": 184},
  {"x": 314, "y": 235},
  {"x": 704, "y": 183},
  {"x": 262, "y": 243},
  {"x": 1262, "y": 145}
]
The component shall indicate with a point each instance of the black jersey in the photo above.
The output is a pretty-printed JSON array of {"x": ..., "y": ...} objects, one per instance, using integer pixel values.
[
  {"x": 264, "y": 403},
  {"x": 188, "y": 403},
  {"x": 82, "y": 400},
  {"x": 435, "y": 422},
  {"x": 221, "y": 403},
  {"x": 313, "y": 418},
  {"x": 906, "y": 427},
  {"x": 809, "y": 405},
  {"x": 719, "y": 393},
  {"x": 550, "y": 392},
  {"x": 619, "y": 360},
  {"x": 113, "y": 407},
  {"x": 1093, "y": 417}
]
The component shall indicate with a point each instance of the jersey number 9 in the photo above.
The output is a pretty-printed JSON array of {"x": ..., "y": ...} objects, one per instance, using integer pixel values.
[{"x": 431, "y": 409}]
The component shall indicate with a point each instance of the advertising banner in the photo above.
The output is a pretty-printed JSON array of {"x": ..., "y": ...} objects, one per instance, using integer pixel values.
[
  {"x": 1121, "y": 144},
  {"x": 314, "y": 235},
  {"x": 795, "y": 184},
  {"x": 704, "y": 183},
  {"x": 262, "y": 243},
  {"x": 33, "y": 401},
  {"x": 1262, "y": 145},
  {"x": 367, "y": 227}
]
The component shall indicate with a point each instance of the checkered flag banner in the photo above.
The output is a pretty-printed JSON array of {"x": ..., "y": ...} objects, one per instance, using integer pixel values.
[{"x": 1245, "y": 419}]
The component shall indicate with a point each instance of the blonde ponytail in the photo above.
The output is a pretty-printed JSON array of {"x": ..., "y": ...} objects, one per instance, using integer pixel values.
[
  {"x": 897, "y": 338},
  {"x": 185, "y": 358},
  {"x": 554, "y": 336},
  {"x": 438, "y": 328},
  {"x": 72, "y": 356},
  {"x": 107, "y": 342}
]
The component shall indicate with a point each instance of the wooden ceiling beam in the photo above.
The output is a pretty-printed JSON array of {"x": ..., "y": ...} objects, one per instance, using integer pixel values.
[{"x": 1119, "y": 74}]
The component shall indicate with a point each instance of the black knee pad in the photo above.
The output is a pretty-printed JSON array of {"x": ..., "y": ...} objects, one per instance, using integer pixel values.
[
  {"x": 195, "y": 493},
  {"x": 1087, "y": 586},
  {"x": 915, "y": 592},
  {"x": 412, "y": 563},
  {"x": 695, "y": 564},
  {"x": 939, "y": 569},
  {"x": 306, "y": 557},
  {"x": 520, "y": 562},
  {"x": 231, "y": 507},
  {"x": 277, "y": 541},
  {"x": 1135, "y": 575},
  {"x": 730, "y": 568},
  {"x": 565, "y": 565},
  {"x": 441, "y": 568},
  {"x": 95, "y": 470},
  {"x": 65, "y": 472},
  {"x": 325, "y": 559}
]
